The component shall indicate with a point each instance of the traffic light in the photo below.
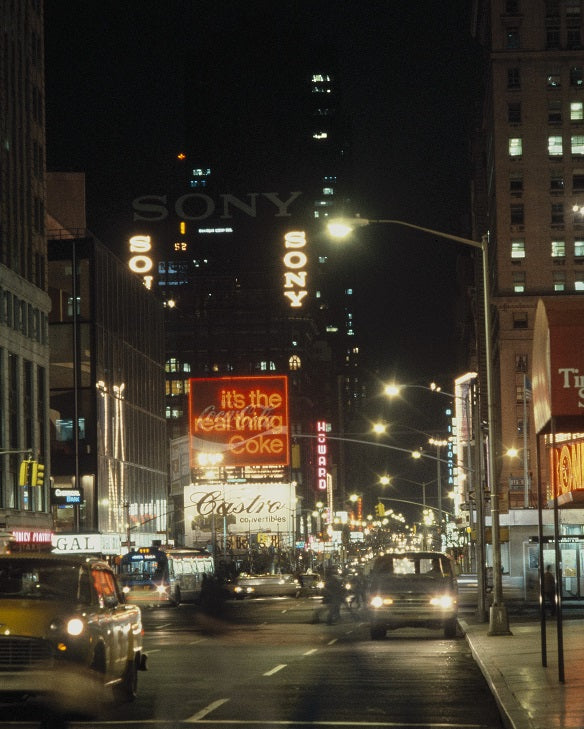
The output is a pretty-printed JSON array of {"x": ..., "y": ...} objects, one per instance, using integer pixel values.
[
  {"x": 380, "y": 509},
  {"x": 24, "y": 473},
  {"x": 37, "y": 474}
]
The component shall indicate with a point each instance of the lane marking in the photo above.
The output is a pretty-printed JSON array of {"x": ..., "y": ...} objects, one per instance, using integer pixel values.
[
  {"x": 310, "y": 652},
  {"x": 332, "y": 642},
  {"x": 164, "y": 625},
  {"x": 274, "y": 670},
  {"x": 207, "y": 710}
]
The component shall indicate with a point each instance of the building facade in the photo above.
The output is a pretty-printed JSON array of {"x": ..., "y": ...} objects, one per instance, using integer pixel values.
[
  {"x": 528, "y": 196},
  {"x": 107, "y": 425},
  {"x": 24, "y": 301}
]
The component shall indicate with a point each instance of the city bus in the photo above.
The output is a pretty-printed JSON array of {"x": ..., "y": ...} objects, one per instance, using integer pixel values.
[{"x": 164, "y": 575}]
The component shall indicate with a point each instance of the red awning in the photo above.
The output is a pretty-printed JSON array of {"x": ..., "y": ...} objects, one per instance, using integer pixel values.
[{"x": 558, "y": 365}]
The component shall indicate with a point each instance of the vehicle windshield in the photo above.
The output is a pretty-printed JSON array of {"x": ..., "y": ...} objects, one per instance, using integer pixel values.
[
  {"x": 39, "y": 579},
  {"x": 432, "y": 567}
]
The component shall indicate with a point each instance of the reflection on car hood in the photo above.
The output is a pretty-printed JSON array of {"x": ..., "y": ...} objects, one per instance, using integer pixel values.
[{"x": 31, "y": 618}]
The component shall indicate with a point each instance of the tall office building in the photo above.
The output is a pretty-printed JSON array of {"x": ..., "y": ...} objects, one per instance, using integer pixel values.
[
  {"x": 528, "y": 196},
  {"x": 108, "y": 432},
  {"x": 265, "y": 159},
  {"x": 24, "y": 302}
]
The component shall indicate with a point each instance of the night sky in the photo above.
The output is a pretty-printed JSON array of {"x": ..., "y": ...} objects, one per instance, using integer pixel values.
[{"x": 115, "y": 74}]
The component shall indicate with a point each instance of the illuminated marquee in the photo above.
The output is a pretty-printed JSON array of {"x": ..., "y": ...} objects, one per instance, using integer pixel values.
[
  {"x": 321, "y": 455},
  {"x": 567, "y": 469},
  {"x": 243, "y": 421},
  {"x": 295, "y": 262},
  {"x": 140, "y": 262}
]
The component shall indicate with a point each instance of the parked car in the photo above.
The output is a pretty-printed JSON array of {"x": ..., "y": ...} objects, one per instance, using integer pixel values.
[
  {"x": 412, "y": 589},
  {"x": 66, "y": 632}
]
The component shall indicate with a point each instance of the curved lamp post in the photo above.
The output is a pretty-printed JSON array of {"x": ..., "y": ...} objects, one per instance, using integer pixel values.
[{"x": 498, "y": 621}]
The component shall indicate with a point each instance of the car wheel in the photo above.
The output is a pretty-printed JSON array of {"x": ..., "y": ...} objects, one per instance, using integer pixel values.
[
  {"x": 377, "y": 633},
  {"x": 450, "y": 628},
  {"x": 127, "y": 689}
]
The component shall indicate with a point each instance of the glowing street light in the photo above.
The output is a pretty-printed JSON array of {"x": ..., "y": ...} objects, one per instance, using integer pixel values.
[{"x": 498, "y": 624}]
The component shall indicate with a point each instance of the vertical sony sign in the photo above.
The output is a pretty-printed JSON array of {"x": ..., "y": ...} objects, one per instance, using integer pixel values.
[
  {"x": 140, "y": 263},
  {"x": 295, "y": 262},
  {"x": 321, "y": 455}
]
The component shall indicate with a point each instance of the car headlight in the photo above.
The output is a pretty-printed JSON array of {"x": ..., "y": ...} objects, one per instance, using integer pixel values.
[
  {"x": 75, "y": 626},
  {"x": 238, "y": 589},
  {"x": 378, "y": 601},
  {"x": 250, "y": 589},
  {"x": 320, "y": 585},
  {"x": 161, "y": 589},
  {"x": 442, "y": 601}
]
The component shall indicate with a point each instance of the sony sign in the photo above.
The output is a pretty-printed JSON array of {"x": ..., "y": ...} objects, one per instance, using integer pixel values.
[
  {"x": 141, "y": 261},
  {"x": 295, "y": 262},
  {"x": 198, "y": 206}
]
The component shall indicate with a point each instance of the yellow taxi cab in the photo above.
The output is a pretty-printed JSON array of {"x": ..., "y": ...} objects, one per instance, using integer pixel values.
[{"x": 66, "y": 632}]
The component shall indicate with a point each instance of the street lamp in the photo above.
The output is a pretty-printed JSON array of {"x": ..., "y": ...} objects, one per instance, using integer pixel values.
[{"x": 498, "y": 621}]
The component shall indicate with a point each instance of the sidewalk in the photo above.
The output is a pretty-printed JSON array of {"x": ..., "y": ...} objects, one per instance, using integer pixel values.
[{"x": 531, "y": 696}]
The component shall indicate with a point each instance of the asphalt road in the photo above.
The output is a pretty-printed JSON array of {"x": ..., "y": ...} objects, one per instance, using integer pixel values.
[{"x": 266, "y": 664}]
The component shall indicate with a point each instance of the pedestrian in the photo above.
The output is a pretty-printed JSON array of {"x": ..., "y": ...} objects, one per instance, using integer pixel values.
[{"x": 549, "y": 589}]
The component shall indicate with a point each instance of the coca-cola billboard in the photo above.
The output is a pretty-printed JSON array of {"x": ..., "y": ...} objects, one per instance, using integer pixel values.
[{"x": 239, "y": 421}]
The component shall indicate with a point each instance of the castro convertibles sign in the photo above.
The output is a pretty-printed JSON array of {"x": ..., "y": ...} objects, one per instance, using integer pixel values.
[
  {"x": 239, "y": 421},
  {"x": 245, "y": 508}
]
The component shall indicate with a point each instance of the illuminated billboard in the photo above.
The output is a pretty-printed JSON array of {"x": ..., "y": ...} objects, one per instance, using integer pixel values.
[
  {"x": 239, "y": 508},
  {"x": 239, "y": 421}
]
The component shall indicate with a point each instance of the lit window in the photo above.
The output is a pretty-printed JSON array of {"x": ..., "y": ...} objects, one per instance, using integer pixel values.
[
  {"x": 172, "y": 365},
  {"x": 558, "y": 249},
  {"x": 577, "y": 144},
  {"x": 554, "y": 80},
  {"x": 579, "y": 282},
  {"x": 579, "y": 248},
  {"x": 555, "y": 146},
  {"x": 519, "y": 282},
  {"x": 294, "y": 363},
  {"x": 320, "y": 135},
  {"x": 515, "y": 147},
  {"x": 576, "y": 111},
  {"x": 518, "y": 248},
  {"x": 328, "y": 191},
  {"x": 559, "y": 281}
]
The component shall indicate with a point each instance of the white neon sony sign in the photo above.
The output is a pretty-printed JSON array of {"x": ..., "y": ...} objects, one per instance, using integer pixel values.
[
  {"x": 295, "y": 263},
  {"x": 141, "y": 262}
]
